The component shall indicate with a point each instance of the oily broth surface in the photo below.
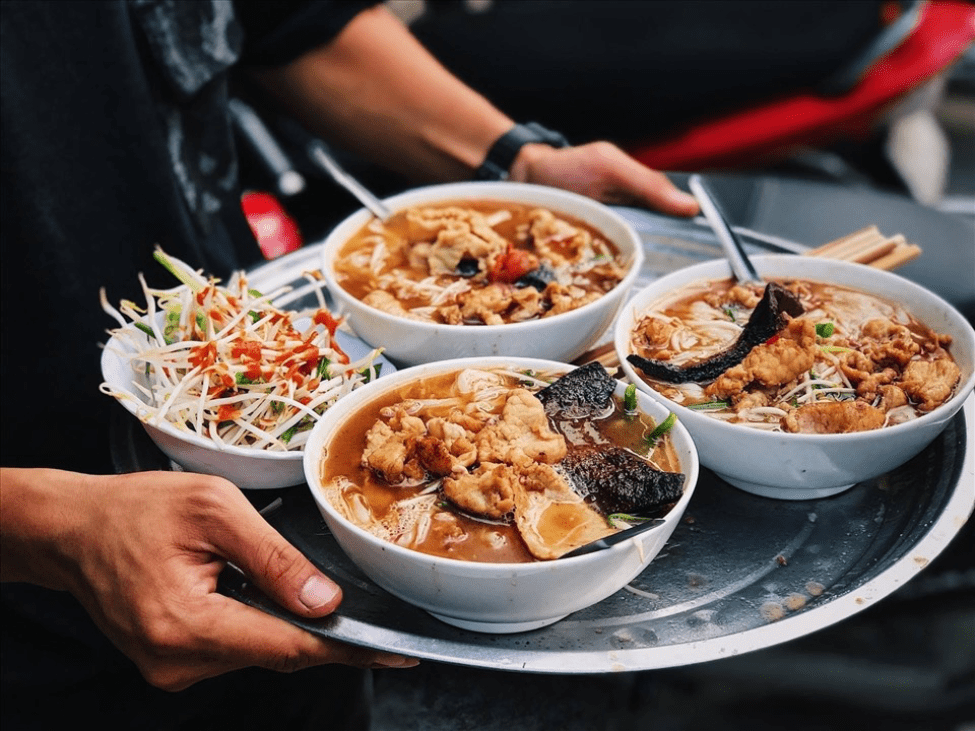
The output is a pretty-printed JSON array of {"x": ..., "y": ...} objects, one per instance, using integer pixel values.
[
  {"x": 712, "y": 330},
  {"x": 396, "y": 231},
  {"x": 451, "y": 533}
]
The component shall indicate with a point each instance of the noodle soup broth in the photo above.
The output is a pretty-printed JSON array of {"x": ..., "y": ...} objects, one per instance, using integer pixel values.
[
  {"x": 421, "y": 510},
  {"x": 850, "y": 362},
  {"x": 496, "y": 277},
  {"x": 762, "y": 442},
  {"x": 488, "y": 595}
]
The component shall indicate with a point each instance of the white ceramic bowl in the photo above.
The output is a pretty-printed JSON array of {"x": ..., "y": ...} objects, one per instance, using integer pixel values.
[
  {"x": 491, "y": 597},
  {"x": 254, "y": 469},
  {"x": 807, "y": 466},
  {"x": 561, "y": 337}
]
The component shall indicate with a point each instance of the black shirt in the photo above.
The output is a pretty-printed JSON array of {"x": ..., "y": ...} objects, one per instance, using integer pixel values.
[{"x": 114, "y": 137}]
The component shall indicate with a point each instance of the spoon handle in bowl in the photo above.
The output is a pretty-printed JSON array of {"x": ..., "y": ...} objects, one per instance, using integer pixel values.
[{"x": 741, "y": 266}]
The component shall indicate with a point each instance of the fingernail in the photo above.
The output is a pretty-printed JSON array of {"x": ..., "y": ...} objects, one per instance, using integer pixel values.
[
  {"x": 395, "y": 661},
  {"x": 317, "y": 592}
]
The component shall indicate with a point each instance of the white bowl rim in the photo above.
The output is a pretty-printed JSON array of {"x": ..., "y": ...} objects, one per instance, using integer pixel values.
[
  {"x": 332, "y": 242},
  {"x": 949, "y": 407},
  {"x": 134, "y": 404},
  {"x": 691, "y": 472}
]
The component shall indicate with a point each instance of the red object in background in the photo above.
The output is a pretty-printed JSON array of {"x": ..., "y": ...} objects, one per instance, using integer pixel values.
[
  {"x": 277, "y": 233},
  {"x": 942, "y": 33}
]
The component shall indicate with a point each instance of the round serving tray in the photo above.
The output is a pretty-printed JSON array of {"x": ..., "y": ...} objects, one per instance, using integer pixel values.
[{"x": 740, "y": 573}]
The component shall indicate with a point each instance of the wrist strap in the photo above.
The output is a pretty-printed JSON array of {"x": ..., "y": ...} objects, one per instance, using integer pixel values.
[{"x": 505, "y": 149}]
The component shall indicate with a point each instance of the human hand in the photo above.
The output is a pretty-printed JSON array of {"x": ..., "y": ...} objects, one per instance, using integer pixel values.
[
  {"x": 142, "y": 553},
  {"x": 601, "y": 170}
]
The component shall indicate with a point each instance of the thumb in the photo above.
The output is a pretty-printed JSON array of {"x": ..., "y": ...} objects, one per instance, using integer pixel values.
[{"x": 279, "y": 569}]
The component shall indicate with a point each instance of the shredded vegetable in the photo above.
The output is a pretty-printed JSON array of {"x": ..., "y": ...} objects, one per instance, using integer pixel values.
[{"x": 225, "y": 363}]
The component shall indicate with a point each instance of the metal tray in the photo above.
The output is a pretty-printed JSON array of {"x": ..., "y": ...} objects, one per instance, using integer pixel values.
[{"x": 740, "y": 573}]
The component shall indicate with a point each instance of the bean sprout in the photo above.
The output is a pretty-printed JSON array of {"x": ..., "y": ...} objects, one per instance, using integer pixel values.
[{"x": 225, "y": 363}]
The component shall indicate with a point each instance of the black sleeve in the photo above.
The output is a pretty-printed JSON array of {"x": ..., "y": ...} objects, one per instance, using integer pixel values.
[{"x": 279, "y": 31}]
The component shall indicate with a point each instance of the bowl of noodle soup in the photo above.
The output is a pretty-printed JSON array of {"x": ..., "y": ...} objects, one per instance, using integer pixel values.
[
  {"x": 482, "y": 269},
  {"x": 465, "y": 569},
  {"x": 861, "y": 381}
]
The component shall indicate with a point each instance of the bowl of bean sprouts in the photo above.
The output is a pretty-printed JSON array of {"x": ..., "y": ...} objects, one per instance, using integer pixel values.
[{"x": 225, "y": 382}]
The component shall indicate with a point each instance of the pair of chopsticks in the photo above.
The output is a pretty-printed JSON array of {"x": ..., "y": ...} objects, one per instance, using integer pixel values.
[
  {"x": 866, "y": 246},
  {"x": 869, "y": 246}
]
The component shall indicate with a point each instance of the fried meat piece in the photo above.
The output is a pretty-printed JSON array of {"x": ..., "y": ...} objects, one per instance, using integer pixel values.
[
  {"x": 485, "y": 304},
  {"x": 488, "y": 491},
  {"x": 556, "y": 239},
  {"x": 887, "y": 342},
  {"x": 391, "y": 453},
  {"x": 930, "y": 383},
  {"x": 771, "y": 364},
  {"x": 521, "y": 434},
  {"x": 833, "y": 417}
]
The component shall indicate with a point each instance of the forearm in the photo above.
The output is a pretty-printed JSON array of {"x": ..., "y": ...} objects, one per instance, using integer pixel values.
[{"x": 375, "y": 90}]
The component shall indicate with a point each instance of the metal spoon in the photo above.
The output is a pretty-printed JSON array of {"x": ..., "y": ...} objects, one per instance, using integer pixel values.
[
  {"x": 611, "y": 540},
  {"x": 742, "y": 268},
  {"x": 320, "y": 154}
]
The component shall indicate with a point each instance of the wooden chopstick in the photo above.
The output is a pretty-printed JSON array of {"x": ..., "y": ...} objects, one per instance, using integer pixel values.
[
  {"x": 866, "y": 246},
  {"x": 869, "y": 246}
]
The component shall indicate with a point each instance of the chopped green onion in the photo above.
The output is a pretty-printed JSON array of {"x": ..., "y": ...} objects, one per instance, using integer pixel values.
[
  {"x": 173, "y": 269},
  {"x": 663, "y": 427},
  {"x": 824, "y": 329},
  {"x": 709, "y": 406},
  {"x": 624, "y": 518},
  {"x": 629, "y": 398},
  {"x": 171, "y": 331},
  {"x": 835, "y": 349},
  {"x": 322, "y": 369},
  {"x": 730, "y": 313},
  {"x": 145, "y": 328}
]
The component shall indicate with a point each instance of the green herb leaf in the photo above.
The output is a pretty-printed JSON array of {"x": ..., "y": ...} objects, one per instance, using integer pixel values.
[
  {"x": 709, "y": 406},
  {"x": 824, "y": 329},
  {"x": 368, "y": 371}
]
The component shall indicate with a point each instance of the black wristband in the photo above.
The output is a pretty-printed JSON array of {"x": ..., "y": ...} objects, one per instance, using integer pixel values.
[{"x": 504, "y": 151}]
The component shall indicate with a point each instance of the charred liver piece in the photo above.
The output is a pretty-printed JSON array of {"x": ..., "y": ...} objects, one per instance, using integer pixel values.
[
  {"x": 537, "y": 278},
  {"x": 618, "y": 481},
  {"x": 579, "y": 394},
  {"x": 468, "y": 267},
  {"x": 766, "y": 320}
]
